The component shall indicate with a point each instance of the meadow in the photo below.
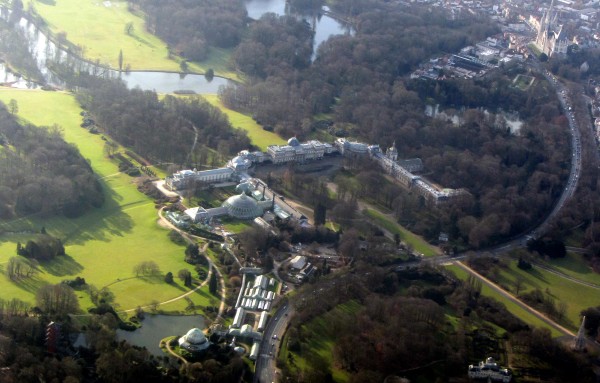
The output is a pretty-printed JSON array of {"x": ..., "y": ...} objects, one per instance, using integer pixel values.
[
  {"x": 321, "y": 341},
  {"x": 511, "y": 306},
  {"x": 105, "y": 244},
  {"x": 574, "y": 296},
  {"x": 574, "y": 265},
  {"x": 102, "y": 41},
  {"x": 257, "y": 134}
]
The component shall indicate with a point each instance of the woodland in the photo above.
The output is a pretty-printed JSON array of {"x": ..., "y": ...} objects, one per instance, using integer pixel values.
[
  {"x": 41, "y": 173},
  {"x": 172, "y": 129}
]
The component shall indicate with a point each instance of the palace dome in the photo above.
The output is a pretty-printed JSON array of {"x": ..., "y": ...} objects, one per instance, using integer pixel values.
[
  {"x": 194, "y": 340},
  {"x": 293, "y": 142},
  {"x": 243, "y": 207}
]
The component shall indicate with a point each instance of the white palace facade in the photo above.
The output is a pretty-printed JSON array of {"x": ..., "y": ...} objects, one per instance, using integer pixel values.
[{"x": 297, "y": 152}]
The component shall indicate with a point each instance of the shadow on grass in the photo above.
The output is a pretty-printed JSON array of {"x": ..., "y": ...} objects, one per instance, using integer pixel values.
[
  {"x": 31, "y": 285},
  {"x": 537, "y": 275},
  {"x": 212, "y": 299},
  {"x": 141, "y": 40},
  {"x": 108, "y": 220},
  {"x": 62, "y": 265},
  {"x": 571, "y": 264}
]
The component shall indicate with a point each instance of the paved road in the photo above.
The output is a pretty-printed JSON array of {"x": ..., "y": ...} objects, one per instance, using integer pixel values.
[{"x": 269, "y": 348}]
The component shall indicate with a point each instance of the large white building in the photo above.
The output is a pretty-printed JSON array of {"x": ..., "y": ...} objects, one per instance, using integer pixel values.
[
  {"x": 183, "y": 179},
  {"x": 489, "y": 370},
  {"x": 295, "y": 151}
]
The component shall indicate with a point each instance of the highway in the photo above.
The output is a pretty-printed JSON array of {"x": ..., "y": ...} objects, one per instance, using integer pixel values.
[{"x": 269, "y": 347}]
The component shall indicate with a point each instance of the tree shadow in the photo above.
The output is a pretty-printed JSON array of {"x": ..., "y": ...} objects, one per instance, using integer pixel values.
[
  {"x": 537, "y": 275},
  {"x": 101, "y": 223},
  {"x": 62, "y": 265},
  {"x": 31, "y": 285}
]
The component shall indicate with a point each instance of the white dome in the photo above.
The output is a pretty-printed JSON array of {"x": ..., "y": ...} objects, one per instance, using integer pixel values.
[
  {"x": 242, "y": 206},
  {"x": 293, "y": 142},
  {"x": 194, "y": 340}
]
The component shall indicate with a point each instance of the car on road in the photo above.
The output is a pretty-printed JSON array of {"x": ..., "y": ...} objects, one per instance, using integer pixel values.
[{"x": 275, "y": 336}]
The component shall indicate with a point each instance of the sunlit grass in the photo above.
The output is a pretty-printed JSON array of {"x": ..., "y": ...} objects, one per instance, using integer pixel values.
[
  {"x": 257, "y": 134},
  {"x": 575, "y": 296},
  {"x": 105, "y": 244},
  {"x": 511, "y": 306},
  {"x": 99, "y": 27},
  {"x": 418, "y": 243}
]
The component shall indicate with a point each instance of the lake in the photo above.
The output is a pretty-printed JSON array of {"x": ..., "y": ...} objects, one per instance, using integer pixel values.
[{"x": 156, "y": 327}]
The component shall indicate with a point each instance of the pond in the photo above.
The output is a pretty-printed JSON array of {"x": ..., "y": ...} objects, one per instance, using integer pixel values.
[
  {"x": 156, "y": 327},
  {"x": 43, "y": 49},
  {"x": 323, "y": 25}
]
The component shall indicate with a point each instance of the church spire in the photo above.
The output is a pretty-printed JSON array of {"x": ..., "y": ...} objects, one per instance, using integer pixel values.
[{"x": 579, "y": 341}]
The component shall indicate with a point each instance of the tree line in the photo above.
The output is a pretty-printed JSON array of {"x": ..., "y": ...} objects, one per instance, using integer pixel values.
[
  {"x": 191, "y": 27},
  {"x": 399, "y": 326},
  {"x": 162, "y": 130},
  {"x": 41, "y": 173}
]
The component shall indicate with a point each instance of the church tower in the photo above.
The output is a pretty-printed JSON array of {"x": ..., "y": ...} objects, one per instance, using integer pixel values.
[{"x": 392, "y": 152}]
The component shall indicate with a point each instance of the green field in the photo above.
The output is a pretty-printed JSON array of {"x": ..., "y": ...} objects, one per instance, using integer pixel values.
[
  {"x": 512, "y": 307},
  {"x": 103, "y": 245},
  {"x": 576, "y": 266},
  {"x": 321, "y": 340},
  {"x": 577, "y": 297},
  {"x": 257, "y": 134},
  {"x": 102, "y": 41},
  {"x": 418, "y": 243}
]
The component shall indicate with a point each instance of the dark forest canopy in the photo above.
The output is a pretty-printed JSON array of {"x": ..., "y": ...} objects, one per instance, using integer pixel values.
[
  {"x": 388, "y": 43},
  {"x": 41, "y": 173},
  {"x": 191, "y": 26},
  {"x": 160, "y": 130}
]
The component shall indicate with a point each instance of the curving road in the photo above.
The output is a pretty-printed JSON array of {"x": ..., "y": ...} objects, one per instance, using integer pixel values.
[{"x": 265, "y": 369}]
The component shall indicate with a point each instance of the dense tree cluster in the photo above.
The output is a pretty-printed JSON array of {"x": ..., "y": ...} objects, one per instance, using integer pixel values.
[
  {"x": 399, "y": 327},
  {"x": 42, "y": 247},
  {"x": 190, "y": 27},
  {"x": 276, "y": 46},
  {"x": 351, "y": 72},
  {"x": 170, "y": 130},
  {"x": 41, "y": 173}
]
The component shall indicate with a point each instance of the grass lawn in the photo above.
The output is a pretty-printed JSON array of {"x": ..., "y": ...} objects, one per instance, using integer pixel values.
[
  {"x": 575, "y": 266},
  {"x": 512, "y": 307},
  {"x": 576, "y": 297},
  {"x": 418, "y": 243},
  {"x": 237, "y": 226},
  {"x": 99, "y": 27},
  {"x": 105, "y": 244},
  {"x": 257, "y": 134},
  {"x": 322, "y": 340}
]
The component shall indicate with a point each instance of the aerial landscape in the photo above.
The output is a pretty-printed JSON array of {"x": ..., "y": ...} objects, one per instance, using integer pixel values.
[{"x": 303, "y": 191}]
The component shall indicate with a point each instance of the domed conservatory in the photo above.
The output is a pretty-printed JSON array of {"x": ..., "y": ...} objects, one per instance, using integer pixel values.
[
  {"x": 243, "y": 207},
  {"x": 194, "y": 341}
]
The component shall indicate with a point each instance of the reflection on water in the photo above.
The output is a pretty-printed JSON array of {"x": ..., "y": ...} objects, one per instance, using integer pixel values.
[
  {"x": 164, "y": 82},
  {"x": 43, "y": 50},
  {"x": 156, "y": 327},
  {"x": 324, "y": 26}
]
